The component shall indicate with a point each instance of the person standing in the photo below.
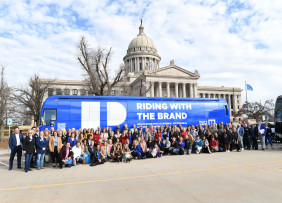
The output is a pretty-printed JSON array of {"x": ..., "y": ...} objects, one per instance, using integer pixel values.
[
  {"x": 247, "y": 136},
  {"x": 15, "y": 144},
  {"x": 41, "y": 145},
  {"x": 55, "y": 145},
  {"x": 268, "y": 136},
  {"x": 241, "y": 133},
  {"x": 28, "y": 149},
  {"x": 261, "y": 131}
]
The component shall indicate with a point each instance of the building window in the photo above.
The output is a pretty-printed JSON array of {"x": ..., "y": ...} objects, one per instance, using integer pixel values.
[
  {"x": 113, "y": 92},
  {"x": 66, "y": 92},
  {"x": 121, "y": 92},
  {"x": 58, "y": 91},
  {"x": 206, "y": 95},
  {"x": 74, "y": 92},
  {"x": 141, "y": 66},
  {"x": 140, "y": 48},
  {"x": 50, "y": 92},
  {"x": 82, "y": 92}
]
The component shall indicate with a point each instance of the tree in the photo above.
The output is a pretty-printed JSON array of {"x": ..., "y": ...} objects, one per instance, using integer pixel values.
[
  {"x": 257, "y": 110},
  {"x": 95, "y": 65},
  {"x": 4, "y": 96},
  {"x": 31, "y": 97}
]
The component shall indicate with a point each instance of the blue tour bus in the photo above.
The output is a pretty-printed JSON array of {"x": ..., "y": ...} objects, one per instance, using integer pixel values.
[{"x": 64, "y": 112}]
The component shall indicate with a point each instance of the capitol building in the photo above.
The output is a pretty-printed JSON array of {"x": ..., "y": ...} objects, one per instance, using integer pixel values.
[{"x": 145, "y": 77}]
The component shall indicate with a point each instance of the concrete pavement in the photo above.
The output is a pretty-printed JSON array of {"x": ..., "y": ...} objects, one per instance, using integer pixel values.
[{"x": 247, "y": 176}]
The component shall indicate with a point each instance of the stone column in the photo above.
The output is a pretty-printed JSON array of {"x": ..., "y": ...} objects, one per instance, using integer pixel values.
[
  {"x": 160, "y": 89},
  {"x": 190, "y": 90},
  {"x": 229, "y": 102},
  {"x": 152, "y": 89},
  {"x": 176, "y": 89},
  {"x": 168, "y": 89},
  {"x": 196, "y": 90},
  {"x": 235, "y": 104},
  {"x": 184, "y": 90}
]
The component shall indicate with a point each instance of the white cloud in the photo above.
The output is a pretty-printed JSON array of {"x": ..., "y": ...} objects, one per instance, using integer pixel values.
[{"x": 218, "y": 38}]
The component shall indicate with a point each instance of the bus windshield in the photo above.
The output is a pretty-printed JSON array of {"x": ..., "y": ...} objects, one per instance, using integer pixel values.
[
  {"x": 278, "y": 110},
  {"x": 48, "y": 115}
]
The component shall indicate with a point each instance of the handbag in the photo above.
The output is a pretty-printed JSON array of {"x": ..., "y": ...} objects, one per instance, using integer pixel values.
[{"x": 68, "y": 161}]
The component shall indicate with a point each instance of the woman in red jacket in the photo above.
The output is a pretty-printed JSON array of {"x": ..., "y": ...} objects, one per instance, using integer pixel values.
[
  {"x": 158, "y": 134},
  {"x": 124, "y": 137},
  {"x": 213, "y": 145},
  {"x": 96, "y": 137}
]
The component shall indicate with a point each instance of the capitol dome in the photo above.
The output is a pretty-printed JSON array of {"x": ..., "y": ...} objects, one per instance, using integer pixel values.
[
  {"x": 141, "y": 54},
  {"x": 142, "y": 42}
]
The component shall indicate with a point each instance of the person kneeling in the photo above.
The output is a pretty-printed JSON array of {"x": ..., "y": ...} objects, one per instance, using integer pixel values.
[
  {"x": 214, "y": 145},
  {"x": 97, "y": 158},
  {"x": 65, "y": 156},
  {"x": 198, "y": 145},
  {"x": 126, "y": 154}
]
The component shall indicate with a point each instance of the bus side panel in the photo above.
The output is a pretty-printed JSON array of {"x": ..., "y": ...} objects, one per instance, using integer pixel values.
[
  {"x": 196, "y": 114},
  {"x": 75, "y": 114},
  {"x": 63, "y": 115}
]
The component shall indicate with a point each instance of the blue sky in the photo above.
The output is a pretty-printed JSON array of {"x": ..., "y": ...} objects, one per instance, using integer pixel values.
[{"x": 228, "y": 42}]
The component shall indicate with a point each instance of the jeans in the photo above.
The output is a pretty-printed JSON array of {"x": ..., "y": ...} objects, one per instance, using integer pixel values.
[
  {"x": 262, "y": 142},
  {"x": 17, "y": 150},
  {"x": 175, "y": 151},
  {"x": 40, "y": 160},
  {"x": 28, "y": 158},
  {"x": 242, "y": 143},
  {"x": 268, "y": 138},
  {"x": 82, "y": 157}
]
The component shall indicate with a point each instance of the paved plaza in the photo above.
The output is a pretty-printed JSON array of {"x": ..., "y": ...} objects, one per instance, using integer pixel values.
[{"x": 247, "y": 176}]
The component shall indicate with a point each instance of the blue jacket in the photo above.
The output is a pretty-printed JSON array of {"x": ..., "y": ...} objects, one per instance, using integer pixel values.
[
  {"x": 241, "y": 131},
  {"x": 40, "y": 144},
  {"x": 182, "y": 145},
  {"x": 13, "y": 140},
  {"x": 265, "y": 130},
  {"x": 72, "y": 144},
  {"x": 199, "y": 143},
  {"x": 137, "y": 149}
]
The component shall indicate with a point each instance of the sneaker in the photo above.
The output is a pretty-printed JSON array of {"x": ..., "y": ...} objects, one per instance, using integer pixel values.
[{"x": 242, "y": 149}]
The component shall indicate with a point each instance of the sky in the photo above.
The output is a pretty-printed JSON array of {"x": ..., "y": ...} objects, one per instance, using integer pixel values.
[{"x": 227, "y": 41}]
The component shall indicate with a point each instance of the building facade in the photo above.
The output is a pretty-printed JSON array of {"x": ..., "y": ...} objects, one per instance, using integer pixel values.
[{"x": 145, "y": 77}]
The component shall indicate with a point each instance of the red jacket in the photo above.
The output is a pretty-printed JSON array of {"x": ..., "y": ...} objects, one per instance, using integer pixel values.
[
  {"x": 183, "y": 134},
  {"x": 123, "y": 139},
  {"x": 96, "y": 138},
  {"x": 213, "y": 143},
  {"x": 157, "y": 135}
]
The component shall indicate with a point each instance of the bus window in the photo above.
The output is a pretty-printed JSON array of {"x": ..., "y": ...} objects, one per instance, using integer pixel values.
[
  {"x": 49, "y": 115},
  {"x": 226, "y": 110}
]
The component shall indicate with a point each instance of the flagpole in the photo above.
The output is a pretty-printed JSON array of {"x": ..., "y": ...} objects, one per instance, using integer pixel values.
[{"x": 246, "y": 96}]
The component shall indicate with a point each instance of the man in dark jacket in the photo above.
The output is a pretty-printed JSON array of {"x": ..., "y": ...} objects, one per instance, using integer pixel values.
[
  {"x": 15, "y": 144},
  {"x": 33, "y": 159},
  {"x": 28, "y": 149},
  {"x": 247, "y": 136},
  {"x": 236, "y": 139},
  {"x": 65, "y": 156}
]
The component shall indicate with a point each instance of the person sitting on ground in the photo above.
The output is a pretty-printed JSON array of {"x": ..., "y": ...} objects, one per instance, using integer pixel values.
[
  {"x": 91, "y": 150},
  {"x": 181, "y": 145},
  {"x": 160, "y": 145},
  {"x": 126, "y": 153},
  {"x": 116, "y": 152},
  {"x": 98, "y": 158},
  {"x": 77, "y": 154},
  {"x": 65, "y": 156},
  {"x": 166, "y": 145},
  {"x": 106, "y": 151},
  {"x": 156, "y": 152},
  {"x": 214, "y": 145},
  {"x": 128, "y": 143},
  {"x": 174, "y": 149},
  {"x": 198, "y": 145},
  {"x": 136, "y": 150},
  {"x": 143, "y": 146},
  {"x": 206, "y": 145}
]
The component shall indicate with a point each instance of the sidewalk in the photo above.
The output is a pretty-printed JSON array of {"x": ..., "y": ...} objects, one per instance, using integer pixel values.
[{"x": 4, "y": 151}]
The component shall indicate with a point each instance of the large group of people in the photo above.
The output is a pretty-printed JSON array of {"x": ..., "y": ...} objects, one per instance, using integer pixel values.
[{"x": 66, "y": 148}]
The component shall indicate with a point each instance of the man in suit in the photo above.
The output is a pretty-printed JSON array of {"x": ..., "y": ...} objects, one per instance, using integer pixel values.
[{"x": 15, "y": 144}]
